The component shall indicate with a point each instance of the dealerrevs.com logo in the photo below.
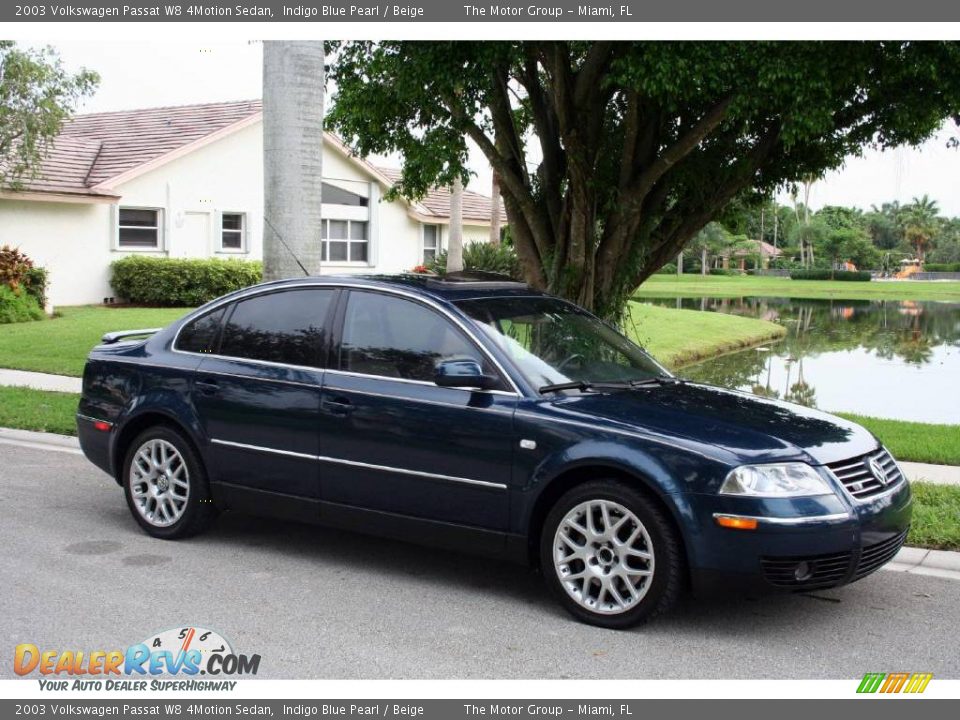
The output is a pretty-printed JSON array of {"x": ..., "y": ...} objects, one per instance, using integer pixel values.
[{"x": 186, "y": 652}]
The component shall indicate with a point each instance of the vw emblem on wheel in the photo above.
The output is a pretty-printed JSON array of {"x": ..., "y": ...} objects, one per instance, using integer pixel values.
[{"x": 877, "y": 469}]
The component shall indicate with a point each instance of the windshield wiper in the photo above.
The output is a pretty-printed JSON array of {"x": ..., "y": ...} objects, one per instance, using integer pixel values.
[{"x": 586, "y": 386}]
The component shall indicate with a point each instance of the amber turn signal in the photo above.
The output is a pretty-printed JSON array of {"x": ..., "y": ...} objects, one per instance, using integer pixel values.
[{"x": 737, "y": 523}]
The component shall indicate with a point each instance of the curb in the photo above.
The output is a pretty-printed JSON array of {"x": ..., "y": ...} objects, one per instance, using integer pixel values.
[
  {"x": 40, "y": 440},
  {"x": 918, "y": 561}
]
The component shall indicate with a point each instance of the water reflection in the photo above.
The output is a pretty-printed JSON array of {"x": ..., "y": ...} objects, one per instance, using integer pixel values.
[{"x": 898, "y": 359}]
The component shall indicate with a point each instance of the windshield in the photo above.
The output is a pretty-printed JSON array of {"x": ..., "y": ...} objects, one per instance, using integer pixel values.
[{"x": 552, "y": 341}]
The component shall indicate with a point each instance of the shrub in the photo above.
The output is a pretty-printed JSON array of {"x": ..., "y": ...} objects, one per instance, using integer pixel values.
[
  {"x": 941, "y": 267},
  {"x": 174, "y": 282},
  {"x": 668, "y": 269},
  {"x": 852, "y": 275},
  {"x": 18, "y": 307},
  {"x": 484, "y": 256},
  {"x": 35, "y": 283},
  {"x": 725, "y": 271}
]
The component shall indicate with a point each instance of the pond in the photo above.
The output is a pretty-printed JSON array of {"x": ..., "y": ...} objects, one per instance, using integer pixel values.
[{"x": 893, "y": 359}]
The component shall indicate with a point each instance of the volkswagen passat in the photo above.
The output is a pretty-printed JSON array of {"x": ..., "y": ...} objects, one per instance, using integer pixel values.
[{"x": 486, "y": 416}]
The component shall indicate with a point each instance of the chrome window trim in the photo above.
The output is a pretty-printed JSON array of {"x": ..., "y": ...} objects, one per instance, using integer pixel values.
[
  {"x": 355, "y": 463},
  {"x": 772, "y": 520},
  {"x": 428, "y": 301}
]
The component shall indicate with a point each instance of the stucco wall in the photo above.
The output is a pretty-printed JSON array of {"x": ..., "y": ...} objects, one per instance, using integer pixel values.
[{"x": 77, "y": 242}]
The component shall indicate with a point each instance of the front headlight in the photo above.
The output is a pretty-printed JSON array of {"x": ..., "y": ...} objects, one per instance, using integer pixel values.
[{"x": 787, "y": 480}]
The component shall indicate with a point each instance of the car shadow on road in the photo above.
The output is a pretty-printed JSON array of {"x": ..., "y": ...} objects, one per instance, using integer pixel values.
[{"x": 339, "y": 551}]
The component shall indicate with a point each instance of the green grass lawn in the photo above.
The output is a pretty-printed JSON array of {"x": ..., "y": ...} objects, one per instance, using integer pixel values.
[
  {"x": 678, "y": 337},
  {"x": 936, "y": 517},
  {"x": 732, "y": 286},
  {"x": 913, "y": 441},
  {"x": 28, "y": 409},
  {"x": 60, "y": 345}
]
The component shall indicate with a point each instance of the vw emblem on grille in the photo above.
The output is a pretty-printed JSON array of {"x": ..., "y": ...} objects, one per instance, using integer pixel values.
[{"x": 877, "y": 470}]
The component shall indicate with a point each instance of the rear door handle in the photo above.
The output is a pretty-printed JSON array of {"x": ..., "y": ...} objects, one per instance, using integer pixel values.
[
  {"x": 207, "y": 386},
  {"x": 336, "y": 405}
]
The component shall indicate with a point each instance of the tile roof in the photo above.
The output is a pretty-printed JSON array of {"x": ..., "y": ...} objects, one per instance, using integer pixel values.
[
  {"x": 437, "y": 201},
  {"x": 94, "y": 148}
]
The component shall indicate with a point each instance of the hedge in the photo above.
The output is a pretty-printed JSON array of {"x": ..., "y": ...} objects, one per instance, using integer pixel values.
[
  {"x": 941, "y": 267},
  {"x": 16, "y": 307},
  {"x": 177, "y": 283},
  {"x": 852, "y": 275}
]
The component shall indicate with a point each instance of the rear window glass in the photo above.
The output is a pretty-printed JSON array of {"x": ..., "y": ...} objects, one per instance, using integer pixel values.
[{"x": 200, "y": 335}]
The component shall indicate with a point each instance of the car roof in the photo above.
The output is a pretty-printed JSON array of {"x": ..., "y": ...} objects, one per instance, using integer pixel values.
[{"x": 461, "y": 286}]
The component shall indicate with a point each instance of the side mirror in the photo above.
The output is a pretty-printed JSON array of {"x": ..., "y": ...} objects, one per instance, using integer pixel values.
[{"x": 462, "y": 374}]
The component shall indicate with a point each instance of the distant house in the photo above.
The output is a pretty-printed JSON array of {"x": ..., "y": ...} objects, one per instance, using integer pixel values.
[
  {"x": 187, "y": 181},
  {"x": 762, "y": 250}
]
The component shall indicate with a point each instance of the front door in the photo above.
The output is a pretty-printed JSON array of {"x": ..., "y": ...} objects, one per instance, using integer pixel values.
[
  {"x": 258, "y": 394},
  {"x": 391, "y": 440}
]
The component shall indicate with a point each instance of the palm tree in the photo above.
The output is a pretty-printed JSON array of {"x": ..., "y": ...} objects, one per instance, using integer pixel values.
[
  {"x": 920, "y": 224},
  {"x": 292, "y": 157},
  {"x": 455, "y": 241}
]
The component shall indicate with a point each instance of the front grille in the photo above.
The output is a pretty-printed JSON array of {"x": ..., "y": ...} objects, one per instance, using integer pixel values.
[
  {"x": 821, "y": 570},
  {"x": 861, "y": 481},
  {"x": 872, "y": 557}
]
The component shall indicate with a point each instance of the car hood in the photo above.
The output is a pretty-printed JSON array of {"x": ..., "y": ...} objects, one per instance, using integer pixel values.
[{"x": 751, "y": 428}]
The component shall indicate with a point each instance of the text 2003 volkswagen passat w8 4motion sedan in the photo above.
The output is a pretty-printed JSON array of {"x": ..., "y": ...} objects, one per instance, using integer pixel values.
[{"x": 483, "y": 415}]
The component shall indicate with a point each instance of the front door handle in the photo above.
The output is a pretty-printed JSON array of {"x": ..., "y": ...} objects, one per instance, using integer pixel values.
[
  {"x": 338, "y": 405},
  {"x": 207, "y": 386}
]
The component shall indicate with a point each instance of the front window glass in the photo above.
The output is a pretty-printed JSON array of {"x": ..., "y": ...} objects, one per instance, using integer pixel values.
[
  {"x": 551, "y": 341},
  {"x": 397, "y": 338}
]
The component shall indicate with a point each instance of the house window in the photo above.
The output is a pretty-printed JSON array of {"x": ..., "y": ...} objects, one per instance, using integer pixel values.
[
  {"x": 431, "y": 243},
  {"x": 232, "y": 231},
  {"x": 138, "y": 228},
  {"x": 344, "y": 241}
]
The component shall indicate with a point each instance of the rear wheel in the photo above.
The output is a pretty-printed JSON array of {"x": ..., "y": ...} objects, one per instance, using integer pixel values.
[
  {"x": 166, "y": 486},
  {"x": 610, "y": 555}
]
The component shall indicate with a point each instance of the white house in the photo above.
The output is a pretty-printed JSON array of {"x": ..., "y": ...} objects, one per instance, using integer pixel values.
[{"x": 187, "y": 181}]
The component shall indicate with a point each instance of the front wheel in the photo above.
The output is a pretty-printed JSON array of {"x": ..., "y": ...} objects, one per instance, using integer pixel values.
[
  {"x": 166, "y": 486},
  {"x": 610, "y": 555}
]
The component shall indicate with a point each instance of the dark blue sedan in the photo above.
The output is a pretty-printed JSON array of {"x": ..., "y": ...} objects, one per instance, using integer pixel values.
[{"x": 483, "y": 415}]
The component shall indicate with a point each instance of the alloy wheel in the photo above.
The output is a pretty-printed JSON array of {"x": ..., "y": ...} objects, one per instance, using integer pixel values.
[
  {"x": 159, "y": 483},
  {"x": 603, "y": 556}
]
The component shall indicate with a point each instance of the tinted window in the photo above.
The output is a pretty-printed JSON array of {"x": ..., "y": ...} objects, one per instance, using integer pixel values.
[
  {"x": 284, "y": 327},
  {"x": 200, "y": 335},
  {"x": 393, "y": 337}
]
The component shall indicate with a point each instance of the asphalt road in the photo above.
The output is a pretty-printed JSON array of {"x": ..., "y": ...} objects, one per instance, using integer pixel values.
[{"x": 77, "y": 572}]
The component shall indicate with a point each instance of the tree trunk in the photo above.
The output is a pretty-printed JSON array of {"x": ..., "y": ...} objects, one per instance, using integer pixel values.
[
  {"x": 703, "y": 261},
  {"x": 495, "y": 210},
  {"x": 680, "y": 264},
  {"x": 455, "y": 242},
  {"x": 292, "y": 157}
]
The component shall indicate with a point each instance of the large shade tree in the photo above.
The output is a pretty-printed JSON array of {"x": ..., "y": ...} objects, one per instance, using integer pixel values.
[
  {"x": 612, "y": 156},
  {"x": 37, "y": 95}
]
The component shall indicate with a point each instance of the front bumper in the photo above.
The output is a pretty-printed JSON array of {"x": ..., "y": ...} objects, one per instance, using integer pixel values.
[{"x": 798, "y": 544}]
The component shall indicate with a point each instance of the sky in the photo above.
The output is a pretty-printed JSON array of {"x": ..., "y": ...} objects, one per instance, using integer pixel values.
[{"x": 151, "y": 74}]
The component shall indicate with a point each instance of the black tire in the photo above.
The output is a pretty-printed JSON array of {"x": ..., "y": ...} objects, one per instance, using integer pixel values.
[
  {"x": 199, "y": 510},
  {"x": 666, "y": 581}
]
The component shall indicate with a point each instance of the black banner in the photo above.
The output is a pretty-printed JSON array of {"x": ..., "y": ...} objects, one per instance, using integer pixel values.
[{"x": 549, "y": 11}]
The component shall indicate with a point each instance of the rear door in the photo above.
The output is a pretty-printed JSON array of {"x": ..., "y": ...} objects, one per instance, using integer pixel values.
[
  {"x": 391, "y": 439},
  {"x": 258, "y": 395}
]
